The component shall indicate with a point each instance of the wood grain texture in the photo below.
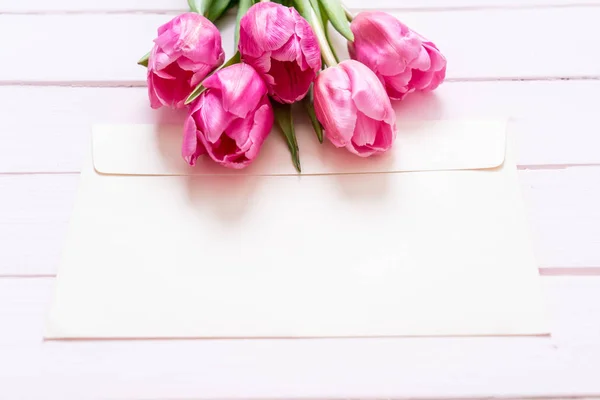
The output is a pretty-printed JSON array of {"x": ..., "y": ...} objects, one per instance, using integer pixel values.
[
  {"x": 549, "y": 132},
  {"x": 13, "y": 6},
  {"x": 562, "y": 208},
  {"x": 566, "y": 363},
  {"x": 477, "y": 42}
]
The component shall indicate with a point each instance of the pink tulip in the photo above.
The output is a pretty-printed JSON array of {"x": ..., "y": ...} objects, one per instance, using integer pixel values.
[
  {"x": 403, "y": 60},
  {"x": 230, "y": 120},
  {"x": 186, "y": 50},
  {"x": 282, "y": 47},
  {"x": 354, "y": 109}
]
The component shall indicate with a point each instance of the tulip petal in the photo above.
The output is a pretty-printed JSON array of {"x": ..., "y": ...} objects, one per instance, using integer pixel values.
[
  {"x": 229, "y": 138},
  {"x": 282, "y": 47},
  {"x": 334, "y": 106},
  {"x": 384, "y": 139},
  {"x": 291, "y": 83},
  {"x": 383, "y": 42},
  {"x": 371, "y": 137},
  {"x": 365, "y": 130},
  {"x": 174, "y": 90},
  {"x": 397, "y": 86},
  {"x": 166, "y": 41},
  {"x": 224, "y": 151},
  {"x": 262, "y": 123},
  {"x": 242, "y": 88},
  {"x": 265, "y": 27},
  {"x": 159, "y": 60},
  {"x": 213, "y": 119},
  {"x": 309, "y": 45},
  {"x": 197, "y": 39},
  {"x": 288, "y": 52},
  {"x": 438, "y": 61},
  {"x": 191, "y": 149},
  {"x": 187, "y": 48},
  {"x": 239, "y": 131},
  {"x": 368, "y": 93},
  {"x": 430, "y": 77},
  {"x": 155, "y": 101},
  {"x": 404, "y": 60}
]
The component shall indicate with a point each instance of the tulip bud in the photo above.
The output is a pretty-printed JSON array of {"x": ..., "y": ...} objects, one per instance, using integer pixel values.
[
  {"x": 282, "y": 47},
  {"x": 403, "y": 60},
  {"x": 186, "y": 50},
  {"x": 230, "y": 120},
  {"x": 354, "y": 109}
]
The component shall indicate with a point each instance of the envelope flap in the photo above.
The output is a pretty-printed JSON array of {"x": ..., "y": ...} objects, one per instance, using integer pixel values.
[{"x": 420, "y": 146}]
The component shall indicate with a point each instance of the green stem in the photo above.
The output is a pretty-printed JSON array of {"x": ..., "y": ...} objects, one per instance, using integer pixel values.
[
  {"x": 193, "y": 7},
  {"x": 326, "y": 52},
  {"x": 309, "y": 106},
  {"x": 348, "y": 13},
  {"x": 333, "y": 53},
  {"x": 310, "y": 15},
  {"x": 324, "y": 19}
]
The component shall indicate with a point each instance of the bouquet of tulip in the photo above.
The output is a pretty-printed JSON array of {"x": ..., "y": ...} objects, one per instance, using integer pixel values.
[{"x": 284, "y": 55}]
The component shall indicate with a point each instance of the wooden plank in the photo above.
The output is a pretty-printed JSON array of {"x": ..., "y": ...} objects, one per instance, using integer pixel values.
[
  {"x": 11, "y": 6},
  {"x": 38, "y": 6},
  {"x": 564, "y": 215},
  {"x": 56, "y": 137},
  {"x": 562, "y": 206},
  {"x": 550, "y": 131},
  {"x": 34, "y": 216},
  {"x": 564, "y": 365},
  {"x": 82, "y": 49}
]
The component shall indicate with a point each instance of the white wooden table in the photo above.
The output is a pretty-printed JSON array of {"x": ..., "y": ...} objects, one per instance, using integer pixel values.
[{"x": 67, "y": 64}]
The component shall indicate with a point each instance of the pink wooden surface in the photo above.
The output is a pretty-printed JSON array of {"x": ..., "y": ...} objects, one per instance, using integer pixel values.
[
  {"x": 535, "y": 62},
  {"x": 566, "y": 364}
]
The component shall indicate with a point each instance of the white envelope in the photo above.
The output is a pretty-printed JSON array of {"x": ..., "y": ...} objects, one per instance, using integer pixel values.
[{"x": 429, "y": 239}]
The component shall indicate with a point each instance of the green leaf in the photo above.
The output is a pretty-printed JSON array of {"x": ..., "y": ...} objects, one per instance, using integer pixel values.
[
  {"x": 144, "y": 60},
  {"x": 309, "y": 106},
  {"x": 315, "y": 5},
  {"x": 325, "y": 24},
  {"x": 206, "y": 4},
  {"x": 235, "y": 59},
  {"x": 214, "y": 9},
  {"x": 337, "y": 16},
  {"x": 283, "y": 118},
  {"x": 349, "y": 15},
  {"x": 194, "y": 7},
  {"x": 243, "y": 7},
  {"x": 198, "y": 90},
  {"x": 195, "y": 94},
  {"x": 305, "y": 9}
]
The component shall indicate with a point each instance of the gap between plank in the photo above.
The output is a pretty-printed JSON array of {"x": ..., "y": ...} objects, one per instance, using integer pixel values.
[
  {"x": 543, "y": 271},
  {"x": 527, "y": 78},
  {"x": 525, "y": 167},
  {"x": 481, "y": 8},
  {"x": 118, "y": 84},
  {"x": 387, "y": 9},
  {"x": 78, "y": 84},
  {"x": 537, "y": 167}
]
